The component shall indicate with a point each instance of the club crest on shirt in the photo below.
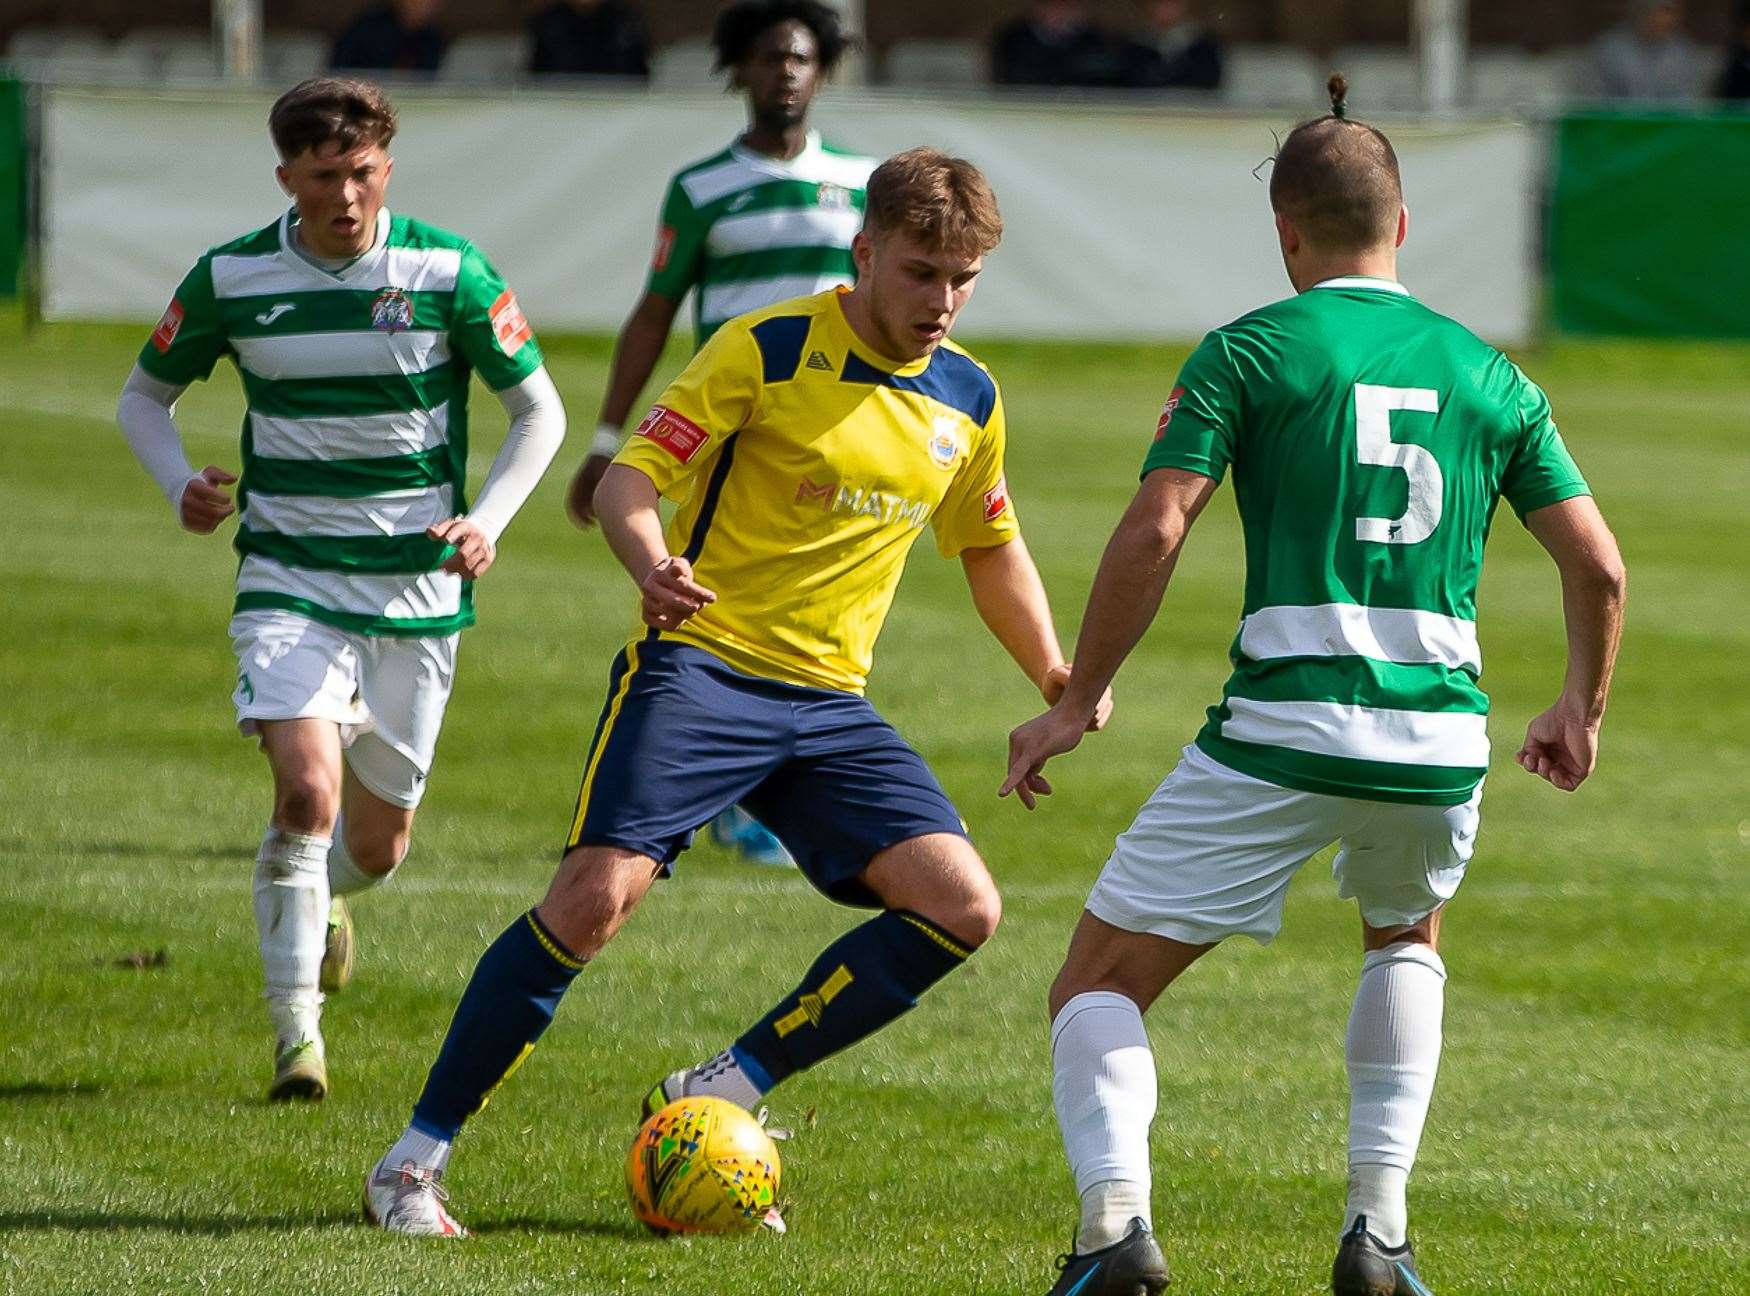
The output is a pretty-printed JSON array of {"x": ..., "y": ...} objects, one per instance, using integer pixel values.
[
  {"x": 944, "y": 442},
  {"x": 833, "y": 197},
  {"x": 392, "y": 311}
]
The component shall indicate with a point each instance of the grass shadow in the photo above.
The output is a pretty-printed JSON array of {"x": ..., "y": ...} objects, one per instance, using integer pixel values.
[
  {"x": 625, "y": 1231},
  {"x": 33, "y": 1089},
  {"x": 51, "y": 1221}
]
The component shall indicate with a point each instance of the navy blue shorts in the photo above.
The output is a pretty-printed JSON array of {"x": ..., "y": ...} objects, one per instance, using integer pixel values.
[{"x": 684, "y": 736}]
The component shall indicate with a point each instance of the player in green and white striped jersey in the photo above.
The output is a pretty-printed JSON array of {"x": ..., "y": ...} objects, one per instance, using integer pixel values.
[
  {"x": 769, "y": 218},
  {"x": 1370, "y": 440},
  {"x": 356, "y": 334}
]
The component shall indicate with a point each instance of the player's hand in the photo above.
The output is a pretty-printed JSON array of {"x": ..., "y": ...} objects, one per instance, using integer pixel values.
[
  {"x": 1034, "y": 743},
  {"x": 1056, "y": 680},
  {"x": 204, "y": 504},
  {"x": 580, "y": 495},
  {"x": 475, "y": 551},
  {"x": 671, "y": 595},
  {"x": 1560, "y": 746}
]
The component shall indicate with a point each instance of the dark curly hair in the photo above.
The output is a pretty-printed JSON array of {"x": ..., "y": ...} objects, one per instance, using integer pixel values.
[{"x": 743, "y": 22}]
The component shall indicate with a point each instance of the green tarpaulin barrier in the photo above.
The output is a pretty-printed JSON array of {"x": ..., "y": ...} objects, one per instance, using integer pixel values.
[
  {"x": 12, "y": 185},
  {"x": 1650, "y": 233}
]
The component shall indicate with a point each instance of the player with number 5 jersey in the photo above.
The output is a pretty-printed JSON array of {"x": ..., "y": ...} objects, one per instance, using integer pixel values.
[{"x": 1370, "y": 440}]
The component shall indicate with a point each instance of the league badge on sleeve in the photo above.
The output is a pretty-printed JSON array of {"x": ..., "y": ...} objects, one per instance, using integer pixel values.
[
  {"x": 996, "y": 500},
  {"x": 675, "y": 433},
  {"x": 168, "y": 327},
  {"x": 392, "y": 311},
  {"x": 509, "y": 324},
  {"x": 1172, "y": 404},
  {"x": 664, "y": 248}
]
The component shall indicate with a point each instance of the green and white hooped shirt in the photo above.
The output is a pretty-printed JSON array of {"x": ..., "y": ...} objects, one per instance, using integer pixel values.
[
  {"x": 1370, "y": 440},
  {"x": 747, "y": 230},
  {"x": 356, "y": 436}
]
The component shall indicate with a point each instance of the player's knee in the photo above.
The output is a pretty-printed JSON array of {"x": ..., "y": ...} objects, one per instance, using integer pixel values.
[
  {"x": 970, "y": 913},
  {"x": 980, "y": 913},
  {"x": 306, "y": 805},
  {"x": 593, "y": 893},
  {"x": 378, "y": 853}
]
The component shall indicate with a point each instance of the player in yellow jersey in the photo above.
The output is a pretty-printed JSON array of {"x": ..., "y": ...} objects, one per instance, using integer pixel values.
[{"x": 809, "y": 445}]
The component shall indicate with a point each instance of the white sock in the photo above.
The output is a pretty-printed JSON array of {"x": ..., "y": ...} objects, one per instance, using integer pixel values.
[
  {"x": 1103, "y": 1087},
  {"x": 291, "y": 915},
  {"x": 345, "y": 877},
  {"x": 722, "y": 1077},
  {"x": 425, "y": 1151},
  {"x": 1393, "y": 1052}
]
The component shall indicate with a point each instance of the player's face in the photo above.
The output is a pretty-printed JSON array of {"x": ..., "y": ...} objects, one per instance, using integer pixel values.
[
  {"x": 780, "y": 74},
  {"x": 915, "y": 292},
  {"x": 338, "y": 195}
]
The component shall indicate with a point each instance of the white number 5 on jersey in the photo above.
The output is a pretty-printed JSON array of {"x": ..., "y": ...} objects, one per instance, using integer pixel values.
[{"x": 1373, "y": 445}]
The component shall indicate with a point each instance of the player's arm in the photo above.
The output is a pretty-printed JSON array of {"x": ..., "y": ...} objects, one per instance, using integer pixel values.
[
  {"x": 626, "y": 502},
  {"x": 537, "y": 427},
  {"x": 636, "y": 351},
  {"x": 183, "y": 349},
  {"x": 680, "y": 243},
  {"x": 488, "y": 327},
  {"x": 711, "y": 400},
  {"x": 1192, "y": 448},
  {"x": 145, "y": 414},
  {"x": 1011, "y": 601},
  {"x": 1127, "y": 593},
  {"x": 1561, "y": 745}
]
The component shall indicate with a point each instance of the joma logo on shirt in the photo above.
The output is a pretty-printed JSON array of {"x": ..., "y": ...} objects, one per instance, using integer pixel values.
[{"x": 859, "y": 501}]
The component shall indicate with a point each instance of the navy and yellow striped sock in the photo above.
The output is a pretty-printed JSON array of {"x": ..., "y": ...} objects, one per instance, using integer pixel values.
[
  {"x": 515, "y": 989},
  {"x": 863, "y": 980}
]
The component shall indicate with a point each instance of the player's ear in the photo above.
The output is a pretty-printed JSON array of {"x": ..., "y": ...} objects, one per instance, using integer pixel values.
[
  {"x": 1288, "y": 234},
  {"x": 284, "y": 176},
  {"x": 1403, "y": 225},
  {"x": 863, "y": 252}
]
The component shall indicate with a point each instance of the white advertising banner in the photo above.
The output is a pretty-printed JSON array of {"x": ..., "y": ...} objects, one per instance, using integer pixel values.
[{"x": 1121, "y": 223}]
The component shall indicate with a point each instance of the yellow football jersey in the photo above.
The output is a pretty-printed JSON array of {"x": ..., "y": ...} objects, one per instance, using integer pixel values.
[{"x": 805, "y": 466}]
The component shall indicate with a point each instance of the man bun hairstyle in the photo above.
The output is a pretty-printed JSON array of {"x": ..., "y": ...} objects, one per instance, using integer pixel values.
[
  {"x": 1337, "y": 179},
  {"x": 745, "y": 21},
  {"x": 345, "y": 111},
  {"x": 943, "y": 202}
]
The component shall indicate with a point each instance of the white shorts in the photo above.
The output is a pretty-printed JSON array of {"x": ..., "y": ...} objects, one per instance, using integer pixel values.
[
  {"x": 1212, "y": 851},
  {"x": 387, "y": 693}
]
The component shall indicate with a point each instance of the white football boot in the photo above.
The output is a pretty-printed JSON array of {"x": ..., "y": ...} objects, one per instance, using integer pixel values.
[{"x": 409, "y": 1200}]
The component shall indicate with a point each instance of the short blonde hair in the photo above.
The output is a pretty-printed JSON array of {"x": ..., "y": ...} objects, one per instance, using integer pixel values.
[{"x": 944, "y": 202}]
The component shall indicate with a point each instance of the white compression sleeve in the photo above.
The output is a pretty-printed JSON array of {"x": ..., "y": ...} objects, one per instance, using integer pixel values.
[
  {"x": 144, "y": 413},
  {"x": 537, "y": 426}
]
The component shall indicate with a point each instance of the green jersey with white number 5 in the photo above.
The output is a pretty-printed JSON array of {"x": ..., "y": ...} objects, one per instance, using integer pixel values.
[{"x": 1370, "y": 440}]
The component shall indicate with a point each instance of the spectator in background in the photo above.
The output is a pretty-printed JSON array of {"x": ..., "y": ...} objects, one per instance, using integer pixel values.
[
  {"x": 1053, "y": 44},
  {"x": 1647, "y": 57},
  {"x": 401, "y": 36},
  {"x": 1170, "y": 50},
  {"x": 589, "y": 38},
  {"x": 1735, "y": 80}
]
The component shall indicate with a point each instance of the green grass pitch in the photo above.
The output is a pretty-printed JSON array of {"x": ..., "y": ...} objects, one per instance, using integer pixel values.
[{"x": 1587, "y": 1137}]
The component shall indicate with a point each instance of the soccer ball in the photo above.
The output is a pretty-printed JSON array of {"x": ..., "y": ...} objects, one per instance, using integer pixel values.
[{"x": 703, "y": 1165}]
